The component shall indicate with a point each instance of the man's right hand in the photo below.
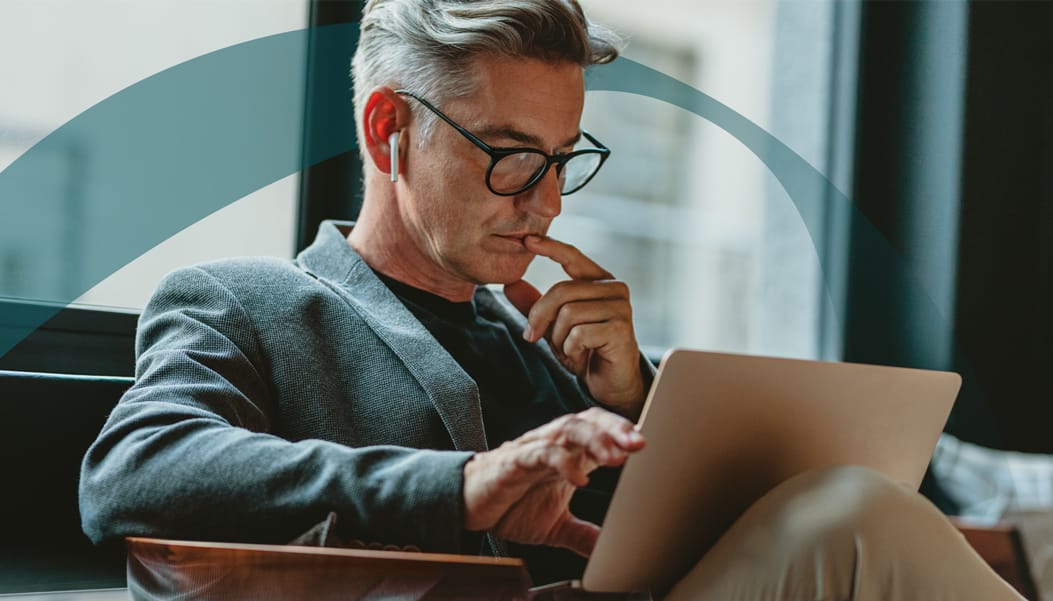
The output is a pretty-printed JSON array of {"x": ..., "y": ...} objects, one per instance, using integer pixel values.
[{"x": 521, "y": 490}]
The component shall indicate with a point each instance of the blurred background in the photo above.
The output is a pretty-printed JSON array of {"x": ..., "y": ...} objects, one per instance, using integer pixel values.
[
  {"x": 932, "y": 117},
  {"x": 931, "y": 248}
]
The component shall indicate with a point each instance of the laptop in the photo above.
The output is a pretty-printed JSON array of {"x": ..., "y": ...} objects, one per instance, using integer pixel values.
[{"x": 722, "y": 430}]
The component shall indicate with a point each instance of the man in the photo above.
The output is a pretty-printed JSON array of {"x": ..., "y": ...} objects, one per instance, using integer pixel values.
[{"x": 375, "y": 378}]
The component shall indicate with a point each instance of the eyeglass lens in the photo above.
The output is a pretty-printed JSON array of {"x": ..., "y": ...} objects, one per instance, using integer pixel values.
[{"x": 514, "y": 172}]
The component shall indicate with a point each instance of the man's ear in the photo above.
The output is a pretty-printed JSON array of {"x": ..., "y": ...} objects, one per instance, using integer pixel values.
[{"x": 385, "y": 113}]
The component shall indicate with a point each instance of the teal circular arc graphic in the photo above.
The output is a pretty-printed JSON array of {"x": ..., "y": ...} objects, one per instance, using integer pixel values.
[{"x": 156, "y": 157}]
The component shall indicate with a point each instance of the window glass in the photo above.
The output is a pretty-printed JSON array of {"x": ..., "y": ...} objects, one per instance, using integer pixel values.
[
  {"x": 61, "y": 58},
  {"x": 715, "y": 253}
]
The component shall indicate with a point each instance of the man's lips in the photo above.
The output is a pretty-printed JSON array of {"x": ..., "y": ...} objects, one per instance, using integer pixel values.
[{"x": 517, "y": 236}]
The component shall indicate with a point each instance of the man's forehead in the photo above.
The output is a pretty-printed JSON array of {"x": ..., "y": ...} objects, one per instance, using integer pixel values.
[
  {"x": 527, "y": 101},
  {"x": 516, "y": 134}
]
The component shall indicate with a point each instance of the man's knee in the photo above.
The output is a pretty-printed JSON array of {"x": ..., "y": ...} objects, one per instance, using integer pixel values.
[
  {"x": 842, "y": 533},
  {"x": 854, "y": 490},
  {"x": 841, "y": 507}
]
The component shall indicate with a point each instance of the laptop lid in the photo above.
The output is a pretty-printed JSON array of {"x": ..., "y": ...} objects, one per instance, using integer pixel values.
[{"x": 723, "y": 429}]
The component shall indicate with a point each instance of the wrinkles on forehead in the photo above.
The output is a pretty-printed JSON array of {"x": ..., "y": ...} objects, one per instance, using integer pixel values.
[
  {"x": 509, "y": 132},
  {"x": 521, "y": 102}
]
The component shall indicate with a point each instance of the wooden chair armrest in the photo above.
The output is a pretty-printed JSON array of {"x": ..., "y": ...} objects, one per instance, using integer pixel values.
[{"x": 1001, "y": 547}]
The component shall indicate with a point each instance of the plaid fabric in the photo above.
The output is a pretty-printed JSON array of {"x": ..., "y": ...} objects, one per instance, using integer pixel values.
[{"x": 987, "y": 483}]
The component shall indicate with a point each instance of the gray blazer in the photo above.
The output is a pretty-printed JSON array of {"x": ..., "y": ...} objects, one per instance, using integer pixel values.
[{"x": 270, "y": 393}]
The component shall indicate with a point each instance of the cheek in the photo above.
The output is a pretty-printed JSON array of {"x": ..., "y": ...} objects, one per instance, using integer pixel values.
[
  {"x": 452, "y": 228},
  {"x": 435, "y": 210},
  {"x": 456, "y": 211}
]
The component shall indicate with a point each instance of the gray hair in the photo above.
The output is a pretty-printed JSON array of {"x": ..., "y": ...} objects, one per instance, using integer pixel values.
[{"x": 428, "y": 46}]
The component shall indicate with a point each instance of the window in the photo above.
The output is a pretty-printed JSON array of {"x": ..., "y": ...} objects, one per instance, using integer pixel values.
[
  {"x": 715, "y": 252},
  {"x": 63, "y": 57}
]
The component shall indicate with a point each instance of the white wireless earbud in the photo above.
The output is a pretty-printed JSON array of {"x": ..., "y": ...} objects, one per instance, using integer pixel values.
[{"x": 393, "y": 150}]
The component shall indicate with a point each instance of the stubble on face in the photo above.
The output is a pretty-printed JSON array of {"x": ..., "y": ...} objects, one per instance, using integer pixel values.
[{"x": 467, "y": 232}]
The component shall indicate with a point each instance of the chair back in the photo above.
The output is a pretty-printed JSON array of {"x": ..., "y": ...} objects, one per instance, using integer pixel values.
[{"x": 47, "y": 423}]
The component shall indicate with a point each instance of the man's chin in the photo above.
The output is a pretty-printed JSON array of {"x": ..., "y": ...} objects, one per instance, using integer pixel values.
[{"x": 505, "y": 272}]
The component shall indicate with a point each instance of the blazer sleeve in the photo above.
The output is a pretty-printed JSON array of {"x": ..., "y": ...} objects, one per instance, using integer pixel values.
[{"x": 186, "y": 453}]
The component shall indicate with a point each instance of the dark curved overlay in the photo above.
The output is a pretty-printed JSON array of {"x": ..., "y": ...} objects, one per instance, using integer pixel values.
[
  {"x": 806, "y": 187},
  {"x": 156, "y": 157},
  {"x": 177, "y": 146}
]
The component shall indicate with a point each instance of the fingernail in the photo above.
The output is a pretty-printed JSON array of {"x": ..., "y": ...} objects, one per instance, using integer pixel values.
[
  {"x": 528, "y": 333},
  {"x": 635, "y": 436}
]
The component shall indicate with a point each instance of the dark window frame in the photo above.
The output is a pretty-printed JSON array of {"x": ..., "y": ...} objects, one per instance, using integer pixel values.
[
  {"x": 331, "y": 189},
  {"x": 996, "y": 226}
]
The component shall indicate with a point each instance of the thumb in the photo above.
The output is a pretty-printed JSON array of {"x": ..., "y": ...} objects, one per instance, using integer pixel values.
[
  {"x": 522, "y": 295},
  {"x": 575, "y": 534}
]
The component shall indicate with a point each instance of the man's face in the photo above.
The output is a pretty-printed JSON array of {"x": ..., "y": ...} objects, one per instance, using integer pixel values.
[{"x": 468, "y": 233}]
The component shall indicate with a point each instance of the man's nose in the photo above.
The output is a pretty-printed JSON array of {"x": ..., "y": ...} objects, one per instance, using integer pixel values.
[{"x": 543, "y": 198}]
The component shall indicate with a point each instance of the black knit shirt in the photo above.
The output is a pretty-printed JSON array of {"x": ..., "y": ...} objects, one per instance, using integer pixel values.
[{"x": 517, "y": 394}]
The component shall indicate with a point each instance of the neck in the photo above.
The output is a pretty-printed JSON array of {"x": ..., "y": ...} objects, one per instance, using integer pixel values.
[{"x": 382, "y": 240}]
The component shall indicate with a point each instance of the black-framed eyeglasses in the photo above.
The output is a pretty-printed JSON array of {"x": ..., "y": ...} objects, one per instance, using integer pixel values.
[{"x": 513, "y": 170}]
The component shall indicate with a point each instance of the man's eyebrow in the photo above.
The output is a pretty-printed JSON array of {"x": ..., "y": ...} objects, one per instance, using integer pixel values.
[{"x": 511, "y": 133}]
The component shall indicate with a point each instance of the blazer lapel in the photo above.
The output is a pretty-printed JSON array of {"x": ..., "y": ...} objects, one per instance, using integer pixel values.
[{"x": 454, "y": 394}]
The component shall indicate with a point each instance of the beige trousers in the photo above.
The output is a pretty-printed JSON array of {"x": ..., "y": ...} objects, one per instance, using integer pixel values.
[{"x": 841, "y": 534}]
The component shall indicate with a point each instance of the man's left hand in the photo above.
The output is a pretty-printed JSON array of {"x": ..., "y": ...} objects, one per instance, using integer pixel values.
[{"x": 587, "y": 321}]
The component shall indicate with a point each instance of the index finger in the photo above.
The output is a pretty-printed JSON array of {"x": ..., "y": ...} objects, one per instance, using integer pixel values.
[
  {"x": 574, "y": 262},
  {"x": 596, "y": 429}
]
